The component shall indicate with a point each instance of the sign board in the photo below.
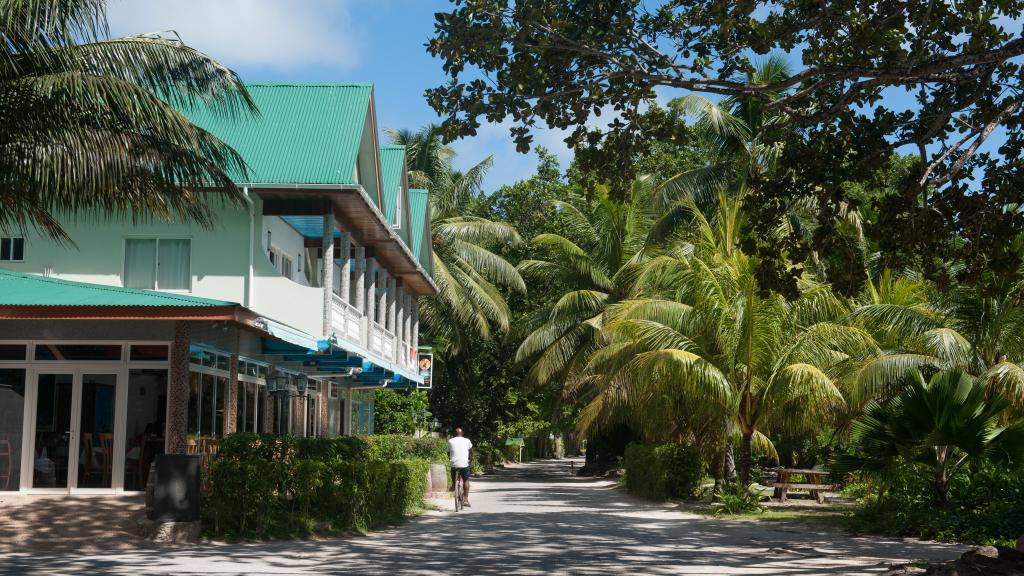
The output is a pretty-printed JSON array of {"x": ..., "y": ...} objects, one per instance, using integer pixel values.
[
  {"x": 515, "y": 442},
  {"x": 425, "y": 365}
]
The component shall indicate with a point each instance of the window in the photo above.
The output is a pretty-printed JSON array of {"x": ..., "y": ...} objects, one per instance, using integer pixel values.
[
  {"x": 158, "y": 263},
  {"x": 286, "y": 266},
  {"x": 12, "y": 249}
]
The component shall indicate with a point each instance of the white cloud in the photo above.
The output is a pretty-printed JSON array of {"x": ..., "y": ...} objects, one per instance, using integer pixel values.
[{"x": 252, "y": 34}]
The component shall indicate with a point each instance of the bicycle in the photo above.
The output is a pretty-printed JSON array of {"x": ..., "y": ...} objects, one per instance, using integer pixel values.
[{"x": 457, "y": 480}]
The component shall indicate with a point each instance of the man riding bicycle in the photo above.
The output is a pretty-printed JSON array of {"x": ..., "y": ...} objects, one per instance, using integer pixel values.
[{"x": 460, "y": 451}]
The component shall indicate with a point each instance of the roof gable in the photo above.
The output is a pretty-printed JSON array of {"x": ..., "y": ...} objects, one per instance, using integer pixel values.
[
  {"x": 304, "y": 133},
  {"x": 419, "y": 217},
  {"x": 392, "y": 167}
]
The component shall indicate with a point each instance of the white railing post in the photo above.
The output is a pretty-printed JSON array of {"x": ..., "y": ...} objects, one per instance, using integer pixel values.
[{"x": 327, "y": 270}]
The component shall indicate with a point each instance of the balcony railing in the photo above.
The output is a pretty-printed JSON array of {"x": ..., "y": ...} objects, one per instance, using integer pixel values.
[{"x": 345, "y": 320}]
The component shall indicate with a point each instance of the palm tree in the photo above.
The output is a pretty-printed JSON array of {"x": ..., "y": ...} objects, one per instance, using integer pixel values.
[
  {"x": 595, "y": 268},
  {"x": 92, "y": 124},
  {"x": 705, "y": 343},
  {"x": 467, "y": 270},
  {"x": 918, "y": 326},
  {"x": 941, "y": 426}
]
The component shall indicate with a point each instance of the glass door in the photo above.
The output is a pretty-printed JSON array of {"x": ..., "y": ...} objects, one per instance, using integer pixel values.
[
  {"x": 53, "y": 435},
  {"x": 73, "y": 430}
]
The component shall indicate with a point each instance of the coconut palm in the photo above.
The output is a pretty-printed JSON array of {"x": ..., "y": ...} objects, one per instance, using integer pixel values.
[
  {"x": 594, "y": 266},
  {"x": 919, "y": 326},
  {"x": 940, "y": 426},
  {"x": 705, "y": 343},
  {"x": 91, "y": 124},
  {"x": 467, "y": 270}
]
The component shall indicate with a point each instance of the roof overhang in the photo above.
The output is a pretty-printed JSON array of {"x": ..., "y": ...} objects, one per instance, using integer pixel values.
[
  {"x": 235, "y": 313},
  {"x": 355, "y": 213}
]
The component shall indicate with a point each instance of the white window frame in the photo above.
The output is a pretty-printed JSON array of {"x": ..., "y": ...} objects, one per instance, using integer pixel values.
[
  {"x": 398, "y": 210},
  {"x": 12, "y": 239},
  {"x": 156, "y": 263},
  {"x": 287, "y": 266}
]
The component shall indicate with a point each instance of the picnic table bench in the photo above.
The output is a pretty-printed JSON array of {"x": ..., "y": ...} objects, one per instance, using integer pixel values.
[{"x": 813, "y": 481}]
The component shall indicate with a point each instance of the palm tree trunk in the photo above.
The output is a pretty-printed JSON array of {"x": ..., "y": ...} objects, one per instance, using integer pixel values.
[
  {"x": 730, "y": 461},
  {"x": 746, "y": 456}
]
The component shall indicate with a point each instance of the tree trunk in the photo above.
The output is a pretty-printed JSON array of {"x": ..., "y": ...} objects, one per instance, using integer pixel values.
[
  {"x": 730, "y": 461},
  {"x": 746, "y": 455}
]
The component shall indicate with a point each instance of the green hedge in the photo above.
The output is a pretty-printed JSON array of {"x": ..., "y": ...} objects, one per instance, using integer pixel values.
[
  {"x": 281, "y": 486},
  {"x": 664, "y": 471}
]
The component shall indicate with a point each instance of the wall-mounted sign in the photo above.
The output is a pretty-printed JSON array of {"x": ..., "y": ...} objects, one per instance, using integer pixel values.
[{"x": 426, "y": 368}]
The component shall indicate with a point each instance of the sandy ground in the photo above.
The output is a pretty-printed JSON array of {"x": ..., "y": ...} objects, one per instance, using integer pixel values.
[{"x": 528, "y": 519}]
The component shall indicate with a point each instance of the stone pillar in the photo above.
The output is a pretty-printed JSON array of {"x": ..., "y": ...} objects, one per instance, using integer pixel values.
[
  {"x": 345, "y": 258},
  {"x": 382, "y": 298},
  {"x": 231, "y": 398},
  {"x": 177, "y": 390},
  {"x": 360, "y": 302},
  {"x": 407, "y": 328},
  {"x": 392, "y": 312},
  {"x": 400, "y": 323},
  {"x": 415, "y": 324},
  {"x": 327, "y": 271},
  {"x": 371, "y": 290}
]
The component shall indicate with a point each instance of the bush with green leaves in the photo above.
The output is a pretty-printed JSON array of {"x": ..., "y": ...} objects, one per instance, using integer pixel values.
[
  {"x": 664, "y": 471},
  {"x": 735, "y": 498},
  {"x": 280, "y": 486}
]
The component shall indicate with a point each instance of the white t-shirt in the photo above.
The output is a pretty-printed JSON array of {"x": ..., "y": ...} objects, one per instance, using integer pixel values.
[{"x": 458, "y": 451}]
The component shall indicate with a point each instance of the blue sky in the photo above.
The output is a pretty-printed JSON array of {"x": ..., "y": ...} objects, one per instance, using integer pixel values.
[{"x": 379, "y": 41}]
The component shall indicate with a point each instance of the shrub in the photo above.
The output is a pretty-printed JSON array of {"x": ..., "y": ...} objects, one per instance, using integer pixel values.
[
  {"x": 269, "y": 485},
  {"x": 664, "y": 471},
  {"x": 735, "y": 498},
  {"x": 986, "y": 508}
]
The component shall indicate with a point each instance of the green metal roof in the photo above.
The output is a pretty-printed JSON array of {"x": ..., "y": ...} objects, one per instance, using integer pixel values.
[
  {"x": 392, "y": 160},
  {"x": 304, "y": 133},
  {"x": 419, "y": 218},
  {"x": 18, "y": 289}
]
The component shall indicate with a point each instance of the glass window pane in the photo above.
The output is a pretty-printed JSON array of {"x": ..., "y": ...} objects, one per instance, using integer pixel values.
[
  {"x": 173, "y": 265},
  {"x": 12, "y": 416},
  {"x": 18, "y": 249},
  {"x": 96, "y": 423},
  {"x": 206, "y": 406},
  {"x": 99, "y": 352},
  {"x": 146, "y": 424},
  {"x": 13, "y": 351},
  {"x": 219, "y": 394},
  {"x": 140, "y": 263},
  {"x": 148, "y": 352},
  {"x": 223, "y": 362},
  {"x": 195, "y": 387},
  {"x": 52, "y": 431}
]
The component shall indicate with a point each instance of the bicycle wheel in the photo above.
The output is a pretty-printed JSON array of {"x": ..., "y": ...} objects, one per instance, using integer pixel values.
[{"x": 458, "y": 494}]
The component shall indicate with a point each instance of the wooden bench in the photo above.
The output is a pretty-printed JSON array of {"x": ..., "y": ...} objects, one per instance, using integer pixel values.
[{"x": 814, "y": 483}]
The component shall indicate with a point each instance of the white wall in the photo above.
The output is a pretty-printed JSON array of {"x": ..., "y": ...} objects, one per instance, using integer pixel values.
[{"x": 287, "y": 240}]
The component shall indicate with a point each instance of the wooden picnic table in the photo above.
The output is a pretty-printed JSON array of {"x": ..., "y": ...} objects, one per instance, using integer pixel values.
[{"x": 814, "y": 481}]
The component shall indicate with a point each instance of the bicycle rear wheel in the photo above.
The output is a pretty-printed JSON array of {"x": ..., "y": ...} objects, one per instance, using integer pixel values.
[{"x": 458, "y": 494}]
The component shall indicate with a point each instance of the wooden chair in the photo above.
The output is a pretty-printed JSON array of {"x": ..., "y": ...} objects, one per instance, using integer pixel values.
[
  {"x": 107, "y": 450},
  {"x": 6, "y": 461},
  {"x": 90, "y": 465}
]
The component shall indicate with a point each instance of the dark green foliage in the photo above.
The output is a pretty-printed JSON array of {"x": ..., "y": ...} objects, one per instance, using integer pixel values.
[
  {"x": 664, "y": 471},
  {"x": 938, "y": 428},
  {"x": 985, "y": 508},
  {"x": 737, "y": 498},
  {"x": 280, "y": 486},
  {"x": 400, "y": 411}
]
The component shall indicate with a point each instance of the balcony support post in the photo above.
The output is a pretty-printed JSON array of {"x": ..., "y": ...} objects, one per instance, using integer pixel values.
[
  {"x": 345, "y": 290},
  {"x": 415, "y": 324},
  {"x": 371, "y": 300},
  {"x": 390, "y": 293},
  {"x": 360, "y": 302},
  {"x": 327, "y": 270},
  {"x": 407, "y": 327}
]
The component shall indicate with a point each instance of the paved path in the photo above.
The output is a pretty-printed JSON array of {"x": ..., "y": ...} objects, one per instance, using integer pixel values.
[{"x": 529, "y": 519}]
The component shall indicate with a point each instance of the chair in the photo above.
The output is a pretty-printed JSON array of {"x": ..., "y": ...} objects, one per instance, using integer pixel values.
[
  {"x": 107, "y": 449},
  {"x": 90, "y": 465},
  {"x": 192, "y": 446},
  {"x": 6, "y": 455}
]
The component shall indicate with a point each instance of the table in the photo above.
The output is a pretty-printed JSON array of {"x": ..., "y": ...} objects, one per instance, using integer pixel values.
[{"x": 814, "y": 481}]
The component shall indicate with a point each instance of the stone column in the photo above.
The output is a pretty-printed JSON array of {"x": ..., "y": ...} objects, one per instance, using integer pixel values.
[
  {"x": 360, "y": 302},
  {"x": 327, "y": 271},
  {"x": 382, "y": 298},
  {"x": 415, "y": 324},
  {"x": 177, "y": 390},
  {"x": 346, "y": 274},
  {"x": 400, "y": 324},
  {"x": 231, "y": 403},
  {"x": 371, "y": 290}
]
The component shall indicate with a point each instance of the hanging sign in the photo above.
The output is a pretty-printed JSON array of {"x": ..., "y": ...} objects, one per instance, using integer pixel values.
[{"x": 426, "y": 368}]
